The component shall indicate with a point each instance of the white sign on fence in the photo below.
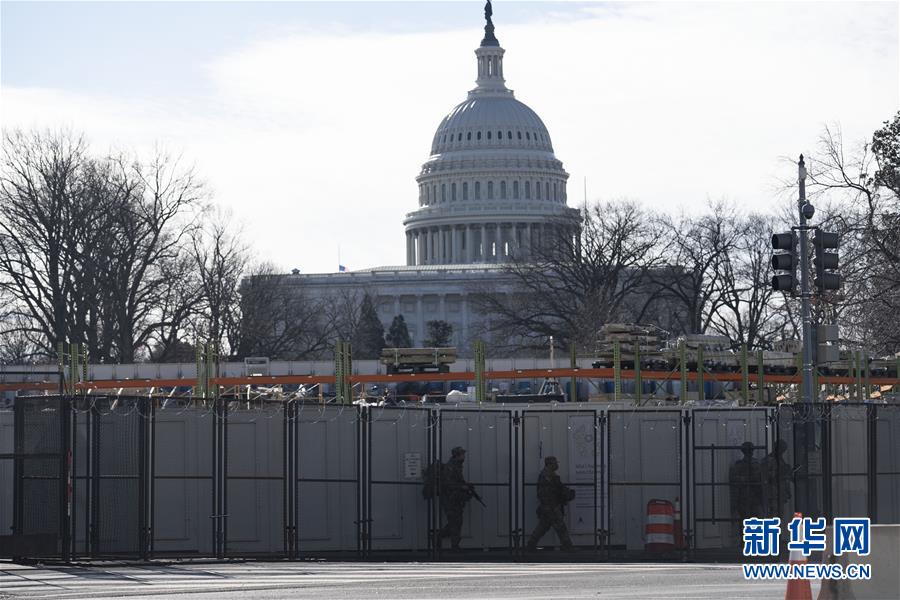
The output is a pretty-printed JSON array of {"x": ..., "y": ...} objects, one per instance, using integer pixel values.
[{"x": 412, "y": 465}]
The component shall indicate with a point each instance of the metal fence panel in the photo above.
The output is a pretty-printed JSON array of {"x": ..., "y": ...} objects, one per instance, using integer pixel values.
[
  {"x": 487, "y": 436},
  {"x": 254, "y": 479},
  {"x": 7, "y": 469},
  {"x": 399, "y": 447},
  {"x": 328, "y": 463},
  {"x": 887, "y": 463},
  {"x": 726, "y": 486},
  {"x": 118, "y": 494},
  {"x": 644, "y": 454},
  {"x": 848, "y": 441},
  {"x": 573, "y": 437},
  {"x": 183, "y": 479}
]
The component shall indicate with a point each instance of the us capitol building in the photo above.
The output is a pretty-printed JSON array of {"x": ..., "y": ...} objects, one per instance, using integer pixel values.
[{"x": 491, "y": 189}]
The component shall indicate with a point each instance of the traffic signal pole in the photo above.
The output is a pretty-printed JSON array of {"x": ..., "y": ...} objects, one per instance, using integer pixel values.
[{"x": 805, "y": 311}]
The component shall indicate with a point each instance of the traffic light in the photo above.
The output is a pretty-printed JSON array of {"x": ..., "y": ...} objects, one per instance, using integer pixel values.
[
  {"x": 826, "y": 261},
  {"x": 784, "y": 261}
]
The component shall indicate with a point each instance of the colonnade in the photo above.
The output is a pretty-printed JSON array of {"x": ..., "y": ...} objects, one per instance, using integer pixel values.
[{"x": 472, "y": 243}]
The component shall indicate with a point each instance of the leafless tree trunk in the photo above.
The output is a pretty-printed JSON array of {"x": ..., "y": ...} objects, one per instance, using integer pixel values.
[{"x": 580, "y": 279}]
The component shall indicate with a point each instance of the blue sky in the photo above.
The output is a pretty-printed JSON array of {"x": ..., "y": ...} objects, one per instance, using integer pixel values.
[
  {"x": 152, "y": 47},
  {"x": 310, "y": 121}
]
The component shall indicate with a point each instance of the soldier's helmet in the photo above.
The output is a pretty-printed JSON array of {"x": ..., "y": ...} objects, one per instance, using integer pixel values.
[
  {"x": 550, "y": 460},
  {"x": 458, "y": 451}
]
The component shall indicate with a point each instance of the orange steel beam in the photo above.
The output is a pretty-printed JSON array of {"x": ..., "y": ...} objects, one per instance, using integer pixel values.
[{"x": 605, "y": 373}]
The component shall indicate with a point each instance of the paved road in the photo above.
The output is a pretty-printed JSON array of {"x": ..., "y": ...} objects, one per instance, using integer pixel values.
[{"x": 270, "y": 581}]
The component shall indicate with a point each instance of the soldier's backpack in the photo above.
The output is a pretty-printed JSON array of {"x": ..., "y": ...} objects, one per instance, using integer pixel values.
[{"x": 431, "y": 479}]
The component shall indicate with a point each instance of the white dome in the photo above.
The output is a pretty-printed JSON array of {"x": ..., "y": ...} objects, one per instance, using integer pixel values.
[
  {"x": 491, "y": 121},
  {"x": 492, "y": 189}
]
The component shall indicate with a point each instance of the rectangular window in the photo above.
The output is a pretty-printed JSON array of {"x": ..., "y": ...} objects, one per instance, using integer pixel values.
[
  {"x": 478, "y": 190},
  {"x": 465, "y": 190}
]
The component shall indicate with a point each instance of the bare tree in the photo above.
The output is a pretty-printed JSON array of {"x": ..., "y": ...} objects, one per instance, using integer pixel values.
[
  {"x": 40, "y": 205},
  {"x": 856, "y": 193},
  {"x": 697, "y": 250},
  {"x": 585, "y": 275},
  {"x": 88, "y": 244},
  {"x": 220, "y": 259},
  {"x": 279, "y": 320},
  {"x": 746, "y": 308},
  {"x": 153, "y": 226}
]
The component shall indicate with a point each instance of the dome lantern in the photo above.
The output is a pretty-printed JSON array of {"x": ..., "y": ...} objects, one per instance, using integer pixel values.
[{"x": 490, "y": 61}]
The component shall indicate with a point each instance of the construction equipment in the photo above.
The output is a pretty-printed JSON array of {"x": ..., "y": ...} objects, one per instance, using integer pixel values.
[{"x": 418, "y": 360}]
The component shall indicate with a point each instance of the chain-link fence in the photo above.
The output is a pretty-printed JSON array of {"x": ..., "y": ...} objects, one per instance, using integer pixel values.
[{"x": 138, "y": 478}]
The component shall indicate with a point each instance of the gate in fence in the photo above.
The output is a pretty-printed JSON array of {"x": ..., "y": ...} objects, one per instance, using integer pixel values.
[{"x": 138, "y": 478}]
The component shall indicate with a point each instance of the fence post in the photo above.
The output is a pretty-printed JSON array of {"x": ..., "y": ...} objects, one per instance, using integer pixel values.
[
  {"x": 867, "y": 388},
  {"x": 573, "y": 383},
  {"x": 682, "y": 360},
  {"x": 701, "y": 393},
  {"x": 760, "y": 377},
  {"x": 638, "y": 381},
  {"x": 745, "y": 376},
  {"x": 872, "y": 462},
  {"x": 617, "y": 371},
  {"x": 480, "y": 395}
]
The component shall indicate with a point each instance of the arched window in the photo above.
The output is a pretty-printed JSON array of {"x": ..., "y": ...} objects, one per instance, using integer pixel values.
[
  {"x": 509, "y": 135},
  {"x": 469, "y": 137},
  {"x": 490, "y": 190},
  {"x": 434, "y": 193},
  {"x": 478, "y": 135},
  {"x": 499, "y": 135},
  {"x": 444, "y": 139},
  {"x": 520, "y": 134},
  {"x": 527, "y": 136},
  {"x": 453, "y": 191},
  {"x": 478, "y": 190},
  {"x": 528, "y": 190},
  {"x": 537, "y": 189},
  {"x": 555, "y": 192},
  {"x": 516, "y": 189},
  {"x": 459, "y": 137},
  {"x": 503, "y": 190},
  {"x": 443, "y": 192},
  {"x": 465, "y": 190},
  {"x": 547, "y": 189},
  {"x": 489, "y": 135}
]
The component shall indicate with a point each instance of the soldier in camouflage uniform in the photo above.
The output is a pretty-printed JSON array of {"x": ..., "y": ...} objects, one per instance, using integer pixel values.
[
  {"x": 776, "y": 474},
  {"x": 552, "y": 498},
  {"x": 745, "y": 481},
  {"x": 454, "y": 493}
]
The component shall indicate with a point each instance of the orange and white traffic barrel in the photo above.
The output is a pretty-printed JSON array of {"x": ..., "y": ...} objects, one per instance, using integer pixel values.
[
  {"x": 798, "y": 589},
  {"x": 659, "y": 533}
]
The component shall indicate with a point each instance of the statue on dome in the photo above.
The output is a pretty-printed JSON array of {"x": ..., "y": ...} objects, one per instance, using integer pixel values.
[{"x": 489, "y": 39}]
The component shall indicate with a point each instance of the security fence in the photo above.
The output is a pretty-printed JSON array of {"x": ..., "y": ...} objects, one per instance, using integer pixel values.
[{"x": 139, "y": 478}]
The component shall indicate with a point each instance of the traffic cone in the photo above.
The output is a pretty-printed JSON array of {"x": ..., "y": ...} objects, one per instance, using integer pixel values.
[
  {"x": 679, "y": 530},
  {"x": 798, "y": 589}
]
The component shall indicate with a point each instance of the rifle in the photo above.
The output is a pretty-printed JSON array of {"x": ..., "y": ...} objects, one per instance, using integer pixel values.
[{"x": 475, "y": 495}]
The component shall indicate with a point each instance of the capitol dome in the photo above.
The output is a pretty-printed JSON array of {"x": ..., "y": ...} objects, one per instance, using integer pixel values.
[
  {"x": 492, "y": 187},
  {"x": 488, "y": 121}
]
